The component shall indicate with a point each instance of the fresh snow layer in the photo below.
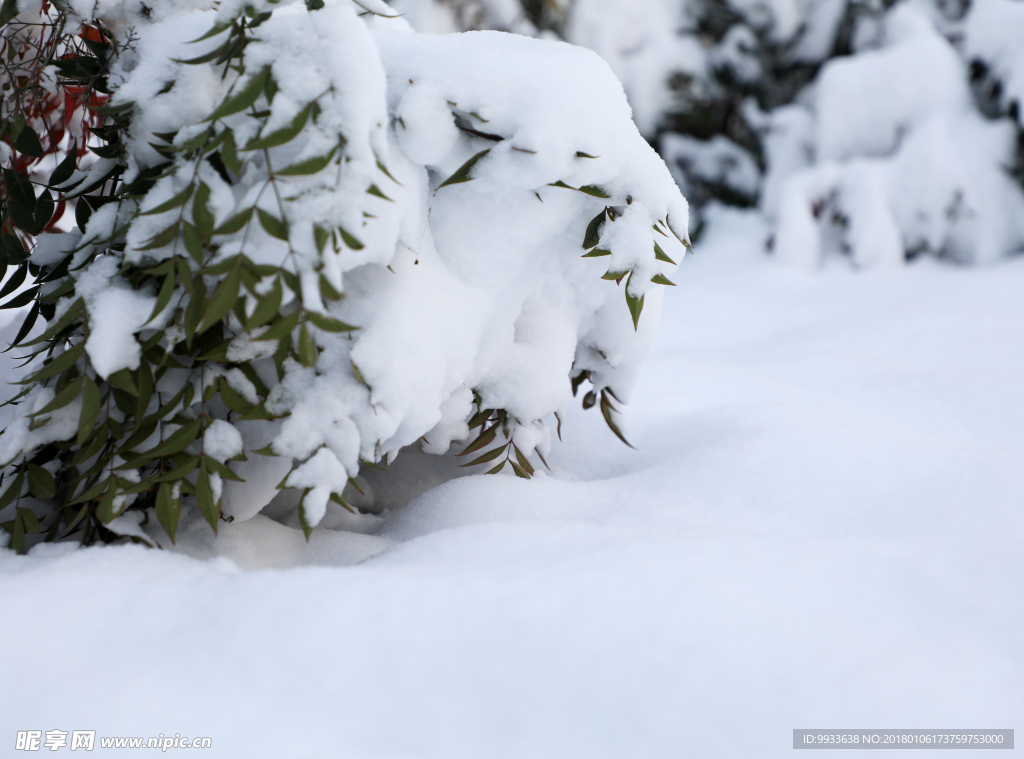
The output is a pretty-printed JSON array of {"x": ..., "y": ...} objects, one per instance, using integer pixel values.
[{"x": 820, "y": 527}]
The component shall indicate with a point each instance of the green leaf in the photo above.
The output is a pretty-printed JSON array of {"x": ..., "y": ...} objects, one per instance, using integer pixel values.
[
  {"x": 61, "y": 399},
  {"x": 234, "y": 223},
  {"x": 282, "y": 327},
  {"x": 74, "y": 311},
  {"x": 520, "y": 472},
  {"x": 614, "y": 275},
  {"x": 223, "y": 299},
  {"x": 593, "y": 236},
  {"x": 593, "y": 189},
  {"x": 281, "y": 136},
  {"x": 40, "y": 482},
  {"x": 193, "y": 244},
  {"x": 489, "y": 456},
  {"x": 462, "y": 174},
  {"x": 597, "y": 253},
  {"x": 233, "y": 399},
  {"x": 195, "y": 309},
  {"x": 274, "y": 226},
  {"x": 266, "y": 307},
  {"x": 309, "y": 166},
  {"x": 122, "y": 379},
  {"x": 146, "y": 385},
  {"x": 222, "y": 469},
  {"x": 62, "y": 363},
  {"x": 243, "y": 98},
  {"x": 307, "y": 528},
  {"x": 307, "y": 348},
  {"x": 211, "y": 56},
  {"x": 66, "y": 167},
  {"x": 201, "y": 213},
  {"x": 168, "y": 509},
  {"x": 661, "y": 279},
  {"x": 375, "y": 190},
  {"x": 229, "y": 152},
  {"x": 351, "y": 241},
  {"x": 27, "y": 142},
  {"x": 485, "y": 438},
  {"x": 178, "y": 441},
  {"x": 13, "y": 490},
  {"x": 216, "y": 29},
  {"x": 581, "y": 154},
  {"x": 177, "y": 201},
  {"x": 606, "y": 412},
  {"x": 636, "y": 305},
  {"x": 204, "y": 495},
  {"x": 320, "y": 236},
  {"x": 498, "y": 468},
  {"x": 29, "y": 519},
  {"x": 8, "y": 11},
  {"x": 163, "y": 238},
  {"x": 329, "y": 324},
  {"x": 523, "y": 461},
  {"x": 164, "y": 296},
  {"x": 90, "y": 410},
  {"x": 661, "y": 255}
]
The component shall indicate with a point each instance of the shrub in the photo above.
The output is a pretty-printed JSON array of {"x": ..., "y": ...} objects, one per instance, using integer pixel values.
[{"x": 308, "y": 237}]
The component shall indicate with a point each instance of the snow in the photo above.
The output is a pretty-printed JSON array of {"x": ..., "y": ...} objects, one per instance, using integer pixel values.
[{"x": 820, "y": 526}]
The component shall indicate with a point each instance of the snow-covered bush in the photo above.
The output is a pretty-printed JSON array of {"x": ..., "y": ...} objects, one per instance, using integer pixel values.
[
  {"x": 322, "y": 238},
  {"x": 874, "y": 129}
]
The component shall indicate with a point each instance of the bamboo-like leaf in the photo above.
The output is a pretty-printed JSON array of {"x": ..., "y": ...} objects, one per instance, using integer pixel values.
[
  {"x": 350, "y": 240},
  {"x": 597, "y": 253},
  {"x": 29, "y": 519},
  {"x": 593, "y": 235},
  {"x": 168, "y": 509},
  {"x": 229, "y": 152},
  {"x": 307, "y": 348},
  {"x": 309, "y": 166},
  {"x": 485, "y": 438},
  {"x": 195, "y": 309},
  {"x": 462, "y": 174},
  {"x": 328, "y": 323},
  {"x": 489, "y": 456},
  {"x": 66, "y": 167},
  {"x": 376, "y": 191},
  {"x": 201, "y": 214},
  {"x": 122, "y": 379},
  {"x": 606, "y": 412},
  {"x": 13, "y": 490},
  {"x": 62, "y": 363},
  {"x": 90, "y": 409},
  {"x": 40, "y": 482},
  {"x": 266, "y": 307},
  {"x": 164, "y": 296},
  {"x": 282, "y": 327},
  {"x": 243, "y": 98},
  {"x": 636, "y": 306},
  {"x": 593, "y": 189},
  {"x": 163, "y": 238},
  {"x": 61, "y": 399},
  {"x": 520, "y": 472},
  {"x": 233, "y": 399},
  {"x": 193, "y": 244},
  {"x": 661, "y": 255},
  {"x": 661, "y": 279},
  {"x": 176, "y": 202},
  {"x": 204, "y": 496},
  {"x": 234, "y": 223},
  {"x": 178, "y": 441},
  {"x": 223, "y": 299},
  {"x": 498, "y": 468},
  {"x": 274, "y": 226},
  {"x": 523, "y": 461},
  {"x": 281, "y": 136}
]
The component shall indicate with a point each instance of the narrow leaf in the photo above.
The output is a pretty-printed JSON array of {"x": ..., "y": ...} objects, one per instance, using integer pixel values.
[{"x": 462, "y": 174}]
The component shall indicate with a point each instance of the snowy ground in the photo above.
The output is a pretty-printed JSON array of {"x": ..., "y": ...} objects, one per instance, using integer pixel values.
[{"x": 821, "y": 527}]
